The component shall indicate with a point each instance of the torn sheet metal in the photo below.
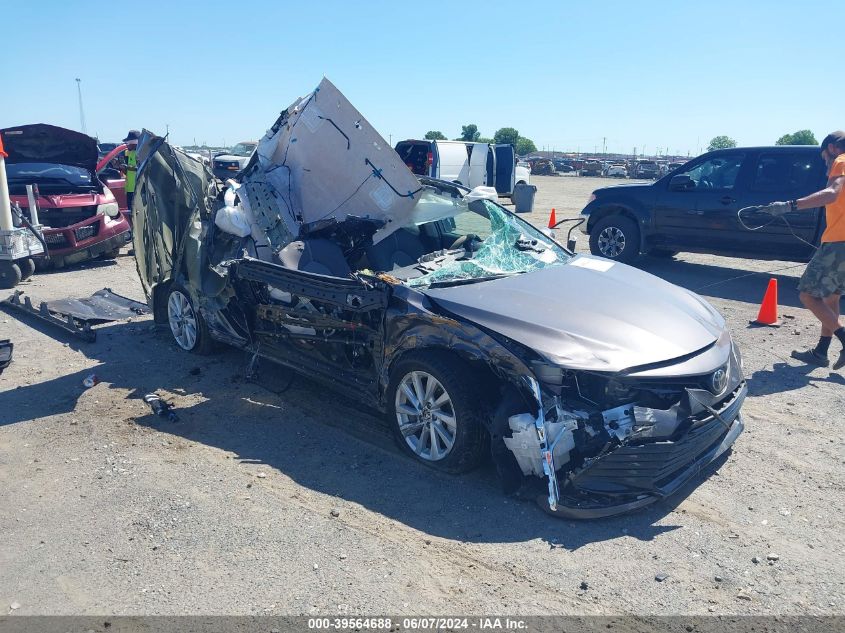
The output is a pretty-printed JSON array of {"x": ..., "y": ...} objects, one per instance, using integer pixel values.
[
  {"x": 42, "y": 312},
  {"x": 324, "y": 160},
  {"x": 76, "y": 316},
  {"x": 101, "y": 307},
  {"x": 6, "y": 348}
]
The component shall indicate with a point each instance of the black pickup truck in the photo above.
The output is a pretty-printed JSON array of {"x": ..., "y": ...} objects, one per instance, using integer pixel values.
[{"x": 694, "y": 208}]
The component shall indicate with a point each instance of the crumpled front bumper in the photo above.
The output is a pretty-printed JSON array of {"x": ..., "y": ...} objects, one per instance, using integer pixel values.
[{"x": 639, "y": 474}]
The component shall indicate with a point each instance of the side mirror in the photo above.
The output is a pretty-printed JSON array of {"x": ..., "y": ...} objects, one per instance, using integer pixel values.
[{"x": 682, "y": 182}]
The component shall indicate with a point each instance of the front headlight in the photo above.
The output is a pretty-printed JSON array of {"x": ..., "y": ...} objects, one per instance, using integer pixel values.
[
  {"x": 110, "y": 209},
  {"x": 547, "y": 374}
]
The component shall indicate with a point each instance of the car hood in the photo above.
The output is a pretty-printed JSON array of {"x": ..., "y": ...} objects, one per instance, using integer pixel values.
[
  {"x": 68, "y": 201},
  {"x": 42, "y": 143},
  {"x": 625, "y": 186},
  {"x": 589, "y": 314}
]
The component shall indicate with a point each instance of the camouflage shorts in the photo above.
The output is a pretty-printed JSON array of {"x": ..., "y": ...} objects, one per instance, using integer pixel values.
[{"x": 825, "y": 274}]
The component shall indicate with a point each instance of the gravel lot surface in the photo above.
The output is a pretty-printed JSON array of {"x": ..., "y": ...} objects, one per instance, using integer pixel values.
[{"x": 264, "y": 501}]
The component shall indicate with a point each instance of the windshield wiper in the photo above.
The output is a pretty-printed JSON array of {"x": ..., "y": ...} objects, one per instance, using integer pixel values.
[{"x": 471, "y": 280}]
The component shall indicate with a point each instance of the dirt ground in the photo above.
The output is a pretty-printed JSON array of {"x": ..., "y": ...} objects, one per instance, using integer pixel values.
[{"x": 262, "y": 500}]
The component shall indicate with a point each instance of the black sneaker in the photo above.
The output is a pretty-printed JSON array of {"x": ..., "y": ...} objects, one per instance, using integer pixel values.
[
  {"x": 812, "y": 357},
  {"x": 840, "y": 362}
]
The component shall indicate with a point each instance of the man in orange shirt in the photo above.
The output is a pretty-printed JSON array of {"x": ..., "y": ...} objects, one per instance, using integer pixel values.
[{"x": 823, "y": 282}]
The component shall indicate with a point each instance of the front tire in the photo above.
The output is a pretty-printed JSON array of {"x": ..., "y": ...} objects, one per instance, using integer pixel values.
[
  {"x": 615, "y": 237},
  {"x": 434, "y": 412},
  {"x": 187, "y": 326}
]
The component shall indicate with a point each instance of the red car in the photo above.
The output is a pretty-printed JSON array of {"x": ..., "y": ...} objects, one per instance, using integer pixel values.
[{"x": 80, "y": 215}]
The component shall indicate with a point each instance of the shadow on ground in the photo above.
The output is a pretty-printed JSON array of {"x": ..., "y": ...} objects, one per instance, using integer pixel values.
[
  {"x": 310, "y": 434},
  {"x": 727, "y": 282},
  {"x": 783, "y": 377}
]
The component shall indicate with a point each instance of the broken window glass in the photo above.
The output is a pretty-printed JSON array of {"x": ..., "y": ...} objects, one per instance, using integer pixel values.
[{"x": 495, "y": 242}]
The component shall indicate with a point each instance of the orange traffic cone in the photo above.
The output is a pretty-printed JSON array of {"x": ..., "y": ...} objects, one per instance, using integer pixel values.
[
  {"x": 552, "y": 219},
  {"x": 768, "y": 314}
]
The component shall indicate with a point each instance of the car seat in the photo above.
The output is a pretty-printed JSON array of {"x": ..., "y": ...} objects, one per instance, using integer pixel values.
[
  {"x": 319, "y": 256},
  {"x": 401, "y": 248}
]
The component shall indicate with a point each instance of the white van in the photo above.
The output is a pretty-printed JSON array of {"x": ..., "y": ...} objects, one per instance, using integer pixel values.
[{"x": 470, "y": 164}]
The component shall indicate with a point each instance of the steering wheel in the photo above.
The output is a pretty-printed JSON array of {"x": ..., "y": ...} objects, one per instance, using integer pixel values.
[
  {"x": 705, "y": 183},
  {"x": 469, "y": 242}
]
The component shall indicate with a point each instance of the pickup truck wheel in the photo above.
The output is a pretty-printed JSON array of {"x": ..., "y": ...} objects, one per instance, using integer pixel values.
[{"x": 615, "y": 237}]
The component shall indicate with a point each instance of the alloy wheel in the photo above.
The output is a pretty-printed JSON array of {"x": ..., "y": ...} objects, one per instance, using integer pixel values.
[
  {"x": 426, "y": 415},
  {"x": 183, "y": 320},
  {"x": 611, "y": 241}
]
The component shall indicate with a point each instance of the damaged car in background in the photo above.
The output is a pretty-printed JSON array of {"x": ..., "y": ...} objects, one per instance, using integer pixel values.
[
  {"x": 477, "y": 334},
  {"x": 80, "y": 215}
]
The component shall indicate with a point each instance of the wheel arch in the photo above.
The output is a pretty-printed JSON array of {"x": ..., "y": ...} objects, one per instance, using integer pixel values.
[
  {"x": 159, "y": 300},
  {"x": 480, "y": 371},
  {"x": 625, "y": 210}
]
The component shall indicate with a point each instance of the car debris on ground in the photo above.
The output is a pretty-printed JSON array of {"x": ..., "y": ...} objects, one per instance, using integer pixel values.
[{"x": 76, "y": 316}]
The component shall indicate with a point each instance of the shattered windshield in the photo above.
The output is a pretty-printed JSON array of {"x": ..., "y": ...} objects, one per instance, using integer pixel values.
[{"x": 488, "y": 242}]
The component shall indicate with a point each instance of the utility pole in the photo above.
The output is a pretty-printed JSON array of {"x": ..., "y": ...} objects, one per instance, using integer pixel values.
[
  {"x": 81, "y": 111},
  {"x": 604, "y": 145},
  {"x": 167, "y": 127},
  {"x": 390, "y": 141}
]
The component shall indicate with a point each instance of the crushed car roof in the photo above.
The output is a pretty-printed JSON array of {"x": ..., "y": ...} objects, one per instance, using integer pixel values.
[{"x": 324, "y": 161}]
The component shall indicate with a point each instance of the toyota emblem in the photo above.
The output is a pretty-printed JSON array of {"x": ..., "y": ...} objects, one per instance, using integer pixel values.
[{"x": 719, "y": 381}]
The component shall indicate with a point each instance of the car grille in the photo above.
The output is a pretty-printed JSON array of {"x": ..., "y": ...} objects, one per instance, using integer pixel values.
[
  {"x": 55, "y": 239},
  {"x": 60, "y": 218},
  {"x": 648, "y": 466},
  {"x": 84, "y": 232}
]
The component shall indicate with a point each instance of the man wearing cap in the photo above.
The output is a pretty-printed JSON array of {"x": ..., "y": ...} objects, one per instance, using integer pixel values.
[
  {"x": 131, "y": 165},
  {"x": 823, "y": 281}
]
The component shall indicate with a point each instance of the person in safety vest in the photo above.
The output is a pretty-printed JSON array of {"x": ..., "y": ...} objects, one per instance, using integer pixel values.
[{"x": 131, "y": 165}]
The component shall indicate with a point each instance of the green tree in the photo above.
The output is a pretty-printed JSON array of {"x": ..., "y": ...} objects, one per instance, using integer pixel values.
[
  {"x": 469, "y": 133},
  {"x": 801, "y": 137},
  {"x": 721, "y": 142},
  {"x": 525, "y": 146},
  {"x": 435, "y": 135},
  {"x": 506, "y": 135},
  {"x": 483, "y": 139}
]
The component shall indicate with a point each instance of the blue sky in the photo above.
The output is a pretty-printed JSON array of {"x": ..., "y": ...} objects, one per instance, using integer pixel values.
[{"x": 566, "y": 74}]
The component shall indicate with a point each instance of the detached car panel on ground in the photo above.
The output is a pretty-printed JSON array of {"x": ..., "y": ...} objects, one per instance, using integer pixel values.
[
  {"x": 474, "y": 332},
  {"x": 80, "y": 215}
]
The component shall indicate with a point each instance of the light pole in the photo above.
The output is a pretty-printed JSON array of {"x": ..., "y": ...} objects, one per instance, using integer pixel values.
[{"x": 81, "y": 111}]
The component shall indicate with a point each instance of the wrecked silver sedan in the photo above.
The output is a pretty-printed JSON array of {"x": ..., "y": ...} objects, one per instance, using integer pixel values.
[{"x": 477, "y": 334}]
